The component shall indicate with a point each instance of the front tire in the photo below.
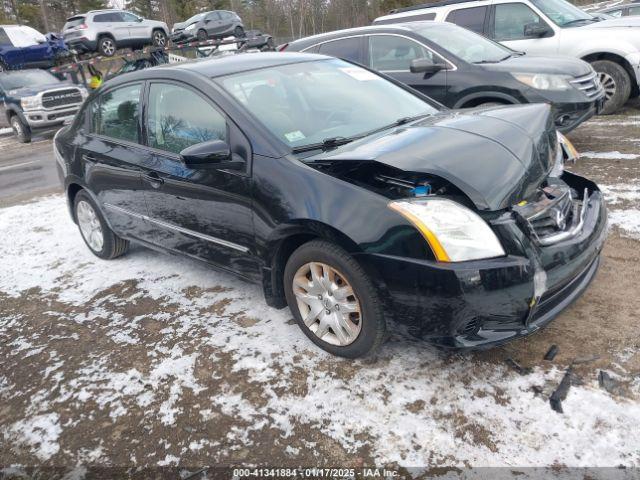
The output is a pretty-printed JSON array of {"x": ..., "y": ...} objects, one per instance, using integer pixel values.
[
  {"x": 333, "y": 300},
  {"x": 616, "y": 83},
  {"x": 159, "y": 38},
  {"x": 20, "y": 129},
  {"x": 95, "y": 231},
  {"x": 107, "y": 46},
  {"x": 202, "y": 35}
]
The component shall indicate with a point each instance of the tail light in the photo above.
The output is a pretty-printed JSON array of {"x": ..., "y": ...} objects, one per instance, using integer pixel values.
[
  {"x": 282, "y": 48},
  {"x": 83, "y": 26}
]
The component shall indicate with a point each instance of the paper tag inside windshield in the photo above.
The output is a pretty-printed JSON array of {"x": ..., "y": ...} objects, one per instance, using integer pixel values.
[
  {"x": 359, "y": 73},
  {"x": 294, "y": 136}
]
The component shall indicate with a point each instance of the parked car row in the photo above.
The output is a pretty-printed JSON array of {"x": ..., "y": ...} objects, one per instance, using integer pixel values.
[
  {"x": 548, "y": 27},
  {"x": 345, "y": 194}
]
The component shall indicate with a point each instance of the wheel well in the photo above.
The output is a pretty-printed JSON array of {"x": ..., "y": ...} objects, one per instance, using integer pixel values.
[
  {"x": 474, "y": 102},
  {"x": 72, "y": 191},
  {"x": 102, "y": 35},
  {"x": 612, "y": 57}
]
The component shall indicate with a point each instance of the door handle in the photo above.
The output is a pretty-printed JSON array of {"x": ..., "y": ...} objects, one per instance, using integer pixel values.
[{"x": 154, "y": 179}]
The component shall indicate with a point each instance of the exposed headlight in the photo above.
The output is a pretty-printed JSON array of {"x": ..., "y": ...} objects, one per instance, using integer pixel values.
[
  {"x": 191, "y": 27},
  {"x": 30, "y": 103},
  {"x": 454, "y": 232},
  {"x": 544, "y": 81}
]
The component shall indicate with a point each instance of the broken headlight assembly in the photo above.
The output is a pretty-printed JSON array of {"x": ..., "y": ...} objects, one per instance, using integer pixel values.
[{"x": 454, "y": 232}]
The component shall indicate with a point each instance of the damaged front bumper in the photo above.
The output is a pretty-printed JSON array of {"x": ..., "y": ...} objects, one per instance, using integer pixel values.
[{"x": 489, "y": 302}]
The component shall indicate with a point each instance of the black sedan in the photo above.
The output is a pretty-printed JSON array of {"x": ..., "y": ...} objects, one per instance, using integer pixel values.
[
  {"x": 347, "y": 196},
  {"x": 462, "y": 69}
]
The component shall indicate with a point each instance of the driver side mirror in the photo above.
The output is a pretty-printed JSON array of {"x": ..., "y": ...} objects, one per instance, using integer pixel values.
[
  {"x": 140, "y": 19},
  {"x": 426, "y": 65},
  {"x": 213, "y": 154},
  {"x": 536, "y": 30}
]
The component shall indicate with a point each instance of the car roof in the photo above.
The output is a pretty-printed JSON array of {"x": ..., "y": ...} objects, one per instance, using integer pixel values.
[
  {"x": 441, "y": 3},
  {"x": 220, "y": 66}
]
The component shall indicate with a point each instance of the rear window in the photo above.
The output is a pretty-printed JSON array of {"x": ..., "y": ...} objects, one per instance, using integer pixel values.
[
  {"x": 73, "y": 22},
  {"x": 471, "y": 18}
]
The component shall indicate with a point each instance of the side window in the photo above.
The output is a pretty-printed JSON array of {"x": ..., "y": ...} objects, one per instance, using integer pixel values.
[
  {"x": 102, "y": 18},
  {"x": 392, "y": 53},
  {"x": 634, "y": 11},
  {"x": 213, "y": 16},
  {"x": 511, "y": 18},
  {"x": 129, "y": 17},
  {"x": 346, "y": 48},
  {"x": 179, "y": 118},
  {"x": 471, "y": 18},
  {"x": 4, "y": 38},
  {"x": 115, "y": 113}
]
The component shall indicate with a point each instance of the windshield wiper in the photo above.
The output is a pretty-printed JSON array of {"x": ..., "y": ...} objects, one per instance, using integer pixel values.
[
  {"x": 571, "y": 22},
  {"x": 397, "y": 123},
  {"x": 496, "y": 61},
  {"x": 324, "y": 144}
]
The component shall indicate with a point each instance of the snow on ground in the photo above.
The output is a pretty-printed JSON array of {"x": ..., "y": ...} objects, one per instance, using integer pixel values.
[
  {"x": 609, "y": 155},
  {"x": 413, "y": 405},
  {"x": 5, "y": 131}
]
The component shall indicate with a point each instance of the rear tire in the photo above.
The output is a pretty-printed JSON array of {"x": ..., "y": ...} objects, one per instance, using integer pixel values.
[
  {"x": 616, "y": 83},
  {"x": 107, "y": 46},
  {"x": 20, "y": 129},
  {"x": 350, "y": 318},
  {"x": 95, "y": 231}
]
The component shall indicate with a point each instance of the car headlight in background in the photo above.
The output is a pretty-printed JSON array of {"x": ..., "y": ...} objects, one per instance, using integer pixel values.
[
  {"x": 454, "y": 232},
  {"x": 544, "y": 81},
  {"x": 30, "y": 103},
  {"x": 190, "y": 27}
]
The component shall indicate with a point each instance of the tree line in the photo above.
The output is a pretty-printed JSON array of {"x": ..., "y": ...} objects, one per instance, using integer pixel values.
[{"x": 284, "y": 19}]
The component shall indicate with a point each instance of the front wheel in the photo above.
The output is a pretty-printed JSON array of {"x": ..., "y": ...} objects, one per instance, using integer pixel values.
[
  {"x": 20, "y": 130},
  {"x": 333, "y": 300},
  {"x": 202, "y": 35},
  {"x": 159, "y": 38},
  {"x": 95, "y": 231},
  {"x": 616, "y": 84}
]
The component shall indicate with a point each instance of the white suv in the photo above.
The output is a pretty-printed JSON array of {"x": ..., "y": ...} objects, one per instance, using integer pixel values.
[
  {"x": 104, "y": 31},
  {"x": 548, "y": 27}
]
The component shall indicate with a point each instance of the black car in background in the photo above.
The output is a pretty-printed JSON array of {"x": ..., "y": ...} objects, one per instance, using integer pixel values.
[
  {"x": 462, "y": 69},
  {"x": 207, "y": 25},
  {"x": 347, "y": 196}
]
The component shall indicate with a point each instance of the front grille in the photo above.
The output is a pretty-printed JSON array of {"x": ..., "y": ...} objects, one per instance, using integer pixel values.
[
  {"x": 589, "y": 84},
  {"x": 59, "y": 98},
  {"x": 553, "y": 215}
]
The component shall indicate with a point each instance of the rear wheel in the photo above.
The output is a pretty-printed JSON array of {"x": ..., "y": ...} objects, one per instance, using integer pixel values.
[
  {"x": 616, "y": 83},
  {"x": 333, "y": 300},
  {"x": 20, "y": 129},
  {"x": 107, "y": 46},
  {"x": 202, "y": 35},
  {"x": 95, "y": 231}
]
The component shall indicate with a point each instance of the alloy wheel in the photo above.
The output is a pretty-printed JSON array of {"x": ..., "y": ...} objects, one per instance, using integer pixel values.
[
  {"x": 327, "y": 303},
  {"x": 108, "y": 48},
  {"x": 90, "y": 226},
  {"x": 159, "y": 39},
  {"x": 608, "y": 84}
]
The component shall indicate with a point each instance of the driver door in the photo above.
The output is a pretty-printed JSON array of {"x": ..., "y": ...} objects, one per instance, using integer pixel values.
[
  {"x": 202, "y": 212},
  {"x": 507, "y": 26},
  {"x": 392, "y": 54}
]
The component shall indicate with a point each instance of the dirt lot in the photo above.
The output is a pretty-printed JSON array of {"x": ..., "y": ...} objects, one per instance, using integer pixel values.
[{"x": 157, "y": 361}]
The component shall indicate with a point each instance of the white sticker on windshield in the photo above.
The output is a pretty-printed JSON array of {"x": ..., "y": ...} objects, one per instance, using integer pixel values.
[
  {"x": 294, "y": 136},
  {"x": 359, "y": 73}
]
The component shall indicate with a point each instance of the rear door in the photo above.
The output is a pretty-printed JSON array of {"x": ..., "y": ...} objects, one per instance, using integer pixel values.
[
  {"x": 201, "y": 212},
  {"x": 392, "y": 54},
  {"x": 112, "y": 157}
]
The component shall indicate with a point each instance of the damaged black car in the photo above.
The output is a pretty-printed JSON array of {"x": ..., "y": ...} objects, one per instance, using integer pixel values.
[{"x": 353, "y": 199}]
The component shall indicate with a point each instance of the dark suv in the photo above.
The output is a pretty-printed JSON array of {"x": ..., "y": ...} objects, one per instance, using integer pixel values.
[
  {"x": 462, "y": 69},
  {"x": 35, "y": 100}
]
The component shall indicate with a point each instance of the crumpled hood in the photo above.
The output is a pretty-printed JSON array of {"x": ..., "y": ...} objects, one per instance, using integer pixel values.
[
  {"x": 497, "y": 156},
  {"x": 534, "y": 64}
]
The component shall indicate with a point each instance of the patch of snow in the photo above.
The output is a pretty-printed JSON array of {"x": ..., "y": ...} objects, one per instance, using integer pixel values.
[
  {"x": 168, "y": 460},
  {"x": 41, "y": 432},
  {"x": 616, "y": 193},
  {"x": 5, "y": 131},
  {"x": 610, "y": 155},
  {"x": 627, "y": 220}
]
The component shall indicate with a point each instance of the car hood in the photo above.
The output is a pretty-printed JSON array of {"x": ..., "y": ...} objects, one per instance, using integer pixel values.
[
  {"x": 536, "y": 64},
  {"x": 616, "y": 22},
  {"x": 497, "y": 156},
  {"x": 180, "y": 26},
  {"x": 29, "y": 91}
]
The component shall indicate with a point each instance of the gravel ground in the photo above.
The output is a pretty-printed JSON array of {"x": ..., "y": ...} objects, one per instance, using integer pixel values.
[{"x": 155, "y": 360}]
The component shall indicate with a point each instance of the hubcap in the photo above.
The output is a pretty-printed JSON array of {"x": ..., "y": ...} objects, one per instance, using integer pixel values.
[
  {"x": 327, "y": 303},
  {"x": 108, "y": 48},
  {"x": 17, "y": 128},
  {"x": 608, "y": 84},
  {"x": 90, "y": 226},
  {"x": 159, "y": 39}
]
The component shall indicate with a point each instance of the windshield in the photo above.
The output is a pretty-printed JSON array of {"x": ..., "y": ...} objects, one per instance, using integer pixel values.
[
  {"x": 464, "y": 43},
  {"x": 26, "y": 78},
  {"x": 308, "y": 103},
  {"x": 194, "y": 19},
  {"x": 562, "y": 13}
]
